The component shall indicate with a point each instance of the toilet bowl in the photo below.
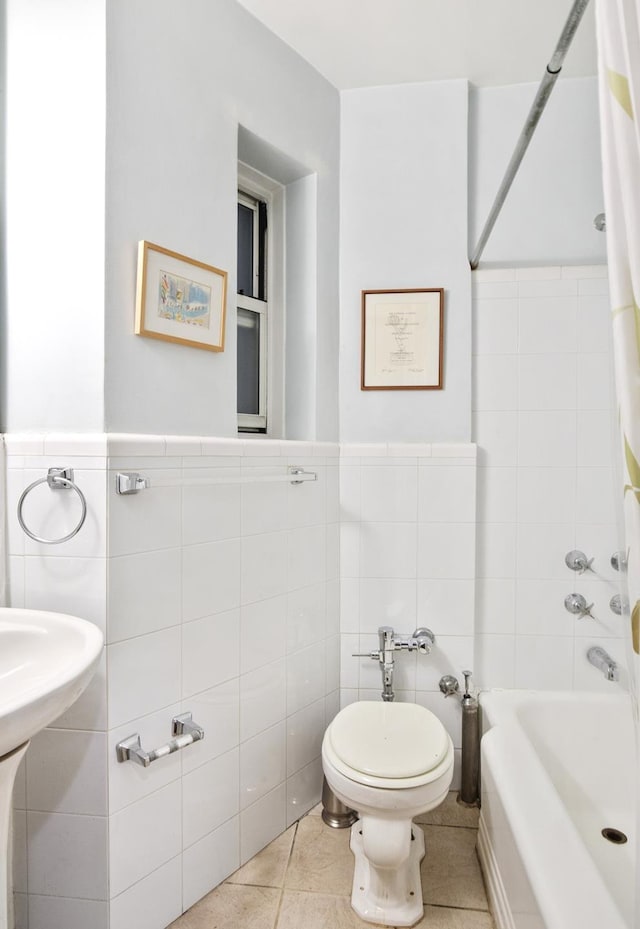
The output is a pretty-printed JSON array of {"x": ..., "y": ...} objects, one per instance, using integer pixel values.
[{"x": 389, "y": 762}]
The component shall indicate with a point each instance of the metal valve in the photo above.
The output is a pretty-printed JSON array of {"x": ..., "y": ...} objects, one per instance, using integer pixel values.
[
  {"x": 576, "y": 604},
  {"x": 578, "y": 561}
]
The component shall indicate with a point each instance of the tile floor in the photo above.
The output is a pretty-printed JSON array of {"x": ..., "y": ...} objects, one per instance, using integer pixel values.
[{"x": 303, "y": 879}]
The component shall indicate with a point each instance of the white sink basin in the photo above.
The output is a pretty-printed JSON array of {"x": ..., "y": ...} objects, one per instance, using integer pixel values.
[{"x": 46, "y": 661}]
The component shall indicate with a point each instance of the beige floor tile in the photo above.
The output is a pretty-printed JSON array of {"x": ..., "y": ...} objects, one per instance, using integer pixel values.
[
  {"x": 321, "y": 860},
  {"x": 316, "y": 811},
  {"x": 268, "y": 867},
  {"x": 443, "y": 917},
  {"x": 318, "y": 911},
  {"x": 232, "y": 906},
  {"x": 451, "y": 813},
  {"x": 450, "y": 870}
]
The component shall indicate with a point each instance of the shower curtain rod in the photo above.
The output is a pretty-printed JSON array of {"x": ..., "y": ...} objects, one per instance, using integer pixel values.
[{"x": 537, "y": 108}]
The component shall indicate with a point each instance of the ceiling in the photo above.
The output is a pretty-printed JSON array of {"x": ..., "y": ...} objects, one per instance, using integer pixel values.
[{"x": 362, "y": 43}]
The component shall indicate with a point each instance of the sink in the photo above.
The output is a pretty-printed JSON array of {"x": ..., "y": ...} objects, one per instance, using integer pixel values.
[{"x": 46, "y": 661}]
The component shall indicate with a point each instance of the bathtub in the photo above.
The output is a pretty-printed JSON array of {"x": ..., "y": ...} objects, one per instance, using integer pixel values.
[{"x": 557, "y": 768}]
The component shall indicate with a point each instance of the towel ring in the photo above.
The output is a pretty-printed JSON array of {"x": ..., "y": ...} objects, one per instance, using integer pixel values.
[{"x": 57, "y": 479}]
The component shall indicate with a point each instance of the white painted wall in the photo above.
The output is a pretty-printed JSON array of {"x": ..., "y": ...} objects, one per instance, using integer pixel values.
[
  {"x": 55, "y": 214},
  {"x": 403, "y": 223},
  {"x": 548, "y": 215},
  {"x": 180, "y": 80}
]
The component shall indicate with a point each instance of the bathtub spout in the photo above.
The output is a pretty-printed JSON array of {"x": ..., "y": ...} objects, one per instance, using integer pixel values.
[{"x": 604, "y": 662}]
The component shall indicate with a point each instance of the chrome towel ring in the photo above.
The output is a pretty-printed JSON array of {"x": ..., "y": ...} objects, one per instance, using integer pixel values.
[{"x": 57, "y": 479}]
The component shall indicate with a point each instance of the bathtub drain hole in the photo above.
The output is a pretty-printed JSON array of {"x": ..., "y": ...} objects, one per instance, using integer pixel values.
[{"x": 614, "y": 835}]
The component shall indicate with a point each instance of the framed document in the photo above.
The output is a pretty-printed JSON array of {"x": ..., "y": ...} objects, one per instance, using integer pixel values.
[{"x": 402, "y": 339}]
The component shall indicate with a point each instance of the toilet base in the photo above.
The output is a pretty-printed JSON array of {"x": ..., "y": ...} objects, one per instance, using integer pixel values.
[{"x": 403, "y": 906}]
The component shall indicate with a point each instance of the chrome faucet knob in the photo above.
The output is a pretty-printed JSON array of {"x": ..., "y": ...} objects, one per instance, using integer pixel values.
[
  {"x": 619, "y": 561},
  {"x": 578, "y": 561},
  {"x": 618, "y": 606},
  {"x": 576, "y": 604},
  {"x": 449, "y": 685}
]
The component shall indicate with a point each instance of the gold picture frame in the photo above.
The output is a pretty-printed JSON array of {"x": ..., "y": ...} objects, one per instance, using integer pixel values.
[
  {"x": 179, "y": 299},
  {"x": 402, "y": 339}
]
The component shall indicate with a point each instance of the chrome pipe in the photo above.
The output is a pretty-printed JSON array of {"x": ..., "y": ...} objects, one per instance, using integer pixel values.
[{"x": 537, "y": 108}]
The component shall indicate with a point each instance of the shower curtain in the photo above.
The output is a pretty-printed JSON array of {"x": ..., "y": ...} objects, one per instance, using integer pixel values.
[{"x": 619, "y": 81}]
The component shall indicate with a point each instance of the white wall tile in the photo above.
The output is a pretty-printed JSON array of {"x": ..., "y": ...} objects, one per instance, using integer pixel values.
[
  {"x": 350, "y": 534},
  {"x": 496, "y": 327},
  {"x": 542, "y": 549},
  {"x": 18, "y": 842},
  {"x": 594, "y": 495},
  {"x": 262, "y": 764},
  {"x": 67, "y": 913},
  {"x": 349, "y": 604},
  {"x": 495, "y": 382},
  {"x": 144, "y": 593},
  {"x": 90, "y": 709},
  {"x": 600, "y": 541},
  {"x": 67, "y": 772},
  {"x": 447, "y": 495},
  {"x": 306, "y": 610},
  {"x": 154, "y": 901},
  {"x": 544, "y": 662},
  {"x": 594, "y": 283},
  {"x": 306, "y": 503},
  {"x": 446, "y": 550},
  {"x": 210, "y": 578},
  {"x": 144, "y": 675},
  {"x": 305, "y": 731},
  {"x": 552, "y": 273},
  {"x": 497, "y": 495},
  {"x": 497, "y": 438},
  {"x": 218, "y": 712},
  {"x": 67, "y": 855},
  {"x": 350, "y": 492},
  {"x": 547, "y": 382},
  {"x": 332, "y": 663},
  {"x": 262, "y": 822},
  {"x": 264, "y": 507},
  {"x": 388, "y": 550},
  {"x": 16, "y": 483},
  {"x": 449, "y": 655},
  {"x": 596, "y": 439},
  {"x": 208, "y": 862},
  {"x": 495, "y": 606},
  {"x": 210, "y": 513},
  {"x": 547, "y": 439},
  {"x": 210, "y": 651},
  {"x": 263, "y": 627},
  {"x": 546, "y": 495},
  {"x": 263, "y": 698},
  {"x": 389, "y": 494},
  {"x": 547, "y": 288},
  {"x": 306, "y": 557},
  {"x": 447, "y": 604},
  {"x": 209, "y": 797},
  {"x": 595, "y": 382},
  {"x": 594, "y": 323},
  {"x": 349, "y": 666},
  {"x": 332, "y": 615},
  {"x": 495, "y": 661},
  {"x": 548, "y": 324},
  {"x": 540, "y": 606},
  {"x": 387, "y": 601},
  {"x": 304, "y": 789},
  {"x": 144, "y": 522},
  {"x": 484, "y": 289},
  {"x": 264, "y": 566},
  {"x": 144, "y": 836},
  {"x": 587, "y": 272},
  {"x": 332, "y": 551},
  {"x": 67, "y": 585},
  {"x": 15, "y": 581},
  {"x": 305, "y": 677},
  {"x": 496, "y": 550}
]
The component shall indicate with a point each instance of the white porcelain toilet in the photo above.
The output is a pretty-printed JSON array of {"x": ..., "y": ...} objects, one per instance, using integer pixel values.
[{"x": 389, "y": 762}]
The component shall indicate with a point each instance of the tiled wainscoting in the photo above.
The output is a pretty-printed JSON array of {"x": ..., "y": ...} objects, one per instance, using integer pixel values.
[
  {"x": 542, "y": 421},
  {"x": 407, "y": 559},
  {"x": 216, "y": 596}
]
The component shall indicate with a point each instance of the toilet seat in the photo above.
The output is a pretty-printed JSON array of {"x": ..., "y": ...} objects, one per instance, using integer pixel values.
[{"x": 389, "y": 745}]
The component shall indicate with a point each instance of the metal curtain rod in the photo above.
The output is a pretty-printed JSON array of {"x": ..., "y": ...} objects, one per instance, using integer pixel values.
[{"x": 537, "y": 108}]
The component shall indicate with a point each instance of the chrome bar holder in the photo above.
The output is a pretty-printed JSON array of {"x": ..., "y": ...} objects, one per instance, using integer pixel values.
[
  {"x": 300, "y": 476},
  {"x": 130, "y": 482},
  {"x": 185, "y": 731}
]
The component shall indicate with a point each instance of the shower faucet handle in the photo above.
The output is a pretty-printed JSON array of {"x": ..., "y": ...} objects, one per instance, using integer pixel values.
[
  {"x": 374, "y": 655},
  {"x": 576, "y": 604},
  {"x": 578, "y": 561}
]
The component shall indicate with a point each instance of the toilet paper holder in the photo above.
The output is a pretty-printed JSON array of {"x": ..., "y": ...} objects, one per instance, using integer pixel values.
[{"x": 185, "y": 731}]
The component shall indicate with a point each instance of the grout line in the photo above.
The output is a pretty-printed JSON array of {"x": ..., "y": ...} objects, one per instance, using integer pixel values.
[{"x": 284, "y": 876}]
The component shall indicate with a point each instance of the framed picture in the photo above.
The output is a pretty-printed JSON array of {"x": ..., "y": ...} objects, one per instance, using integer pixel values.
[
  {"x": 402, "y": 339},
  {"x": 179, "y": 299}
]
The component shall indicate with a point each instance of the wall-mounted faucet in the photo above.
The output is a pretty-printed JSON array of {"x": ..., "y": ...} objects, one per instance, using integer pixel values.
[
  {"x": 421, "y": 641},
  {"x": 603, "y": 662}
]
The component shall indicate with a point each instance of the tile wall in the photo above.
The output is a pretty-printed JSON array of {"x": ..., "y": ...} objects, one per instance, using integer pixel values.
[
  {"x": 408, "y": 555},
  {"x": 543, "y": 426},
  {"x": 217, "y": 590}
]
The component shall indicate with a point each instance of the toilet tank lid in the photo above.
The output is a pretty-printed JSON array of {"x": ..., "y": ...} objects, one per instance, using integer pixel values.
[{"x": 388, "y": 739}]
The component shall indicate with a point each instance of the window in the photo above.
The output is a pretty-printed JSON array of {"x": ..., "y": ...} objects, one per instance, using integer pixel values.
[{"x": 252, "y": 310}]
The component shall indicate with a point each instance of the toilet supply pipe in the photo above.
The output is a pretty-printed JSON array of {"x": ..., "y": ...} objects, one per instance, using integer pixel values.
[{"x": 470, "y": 768}]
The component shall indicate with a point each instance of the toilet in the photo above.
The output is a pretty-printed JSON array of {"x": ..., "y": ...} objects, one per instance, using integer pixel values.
[{"x": 389, "y": 762}]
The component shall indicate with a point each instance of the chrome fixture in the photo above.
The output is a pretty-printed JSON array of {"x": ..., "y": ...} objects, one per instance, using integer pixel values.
[
  {"x": 578, "y": 561},
  {"x": 421, "y": 641},
  {"x": 57, "y": 479},
  {"x": 619, "y": 561},
  {"x": 449, "y": 685},
  {"x": 301, "y": 475},
  {"x": 600, "y": 222},
  {"x": 186, "y": 732},
  {"x": 130, "y": 482},
  {"x": 603, "y": 662},
  {"x": 576, "y": 604},
  {"x": 618, "y": 606}
]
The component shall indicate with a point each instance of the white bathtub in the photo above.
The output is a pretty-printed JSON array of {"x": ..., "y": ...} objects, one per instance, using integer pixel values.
[{"x": 557, "y": 768}]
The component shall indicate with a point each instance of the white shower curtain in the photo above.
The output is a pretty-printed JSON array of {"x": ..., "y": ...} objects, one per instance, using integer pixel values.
[{"x": 619, "y": 75}]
